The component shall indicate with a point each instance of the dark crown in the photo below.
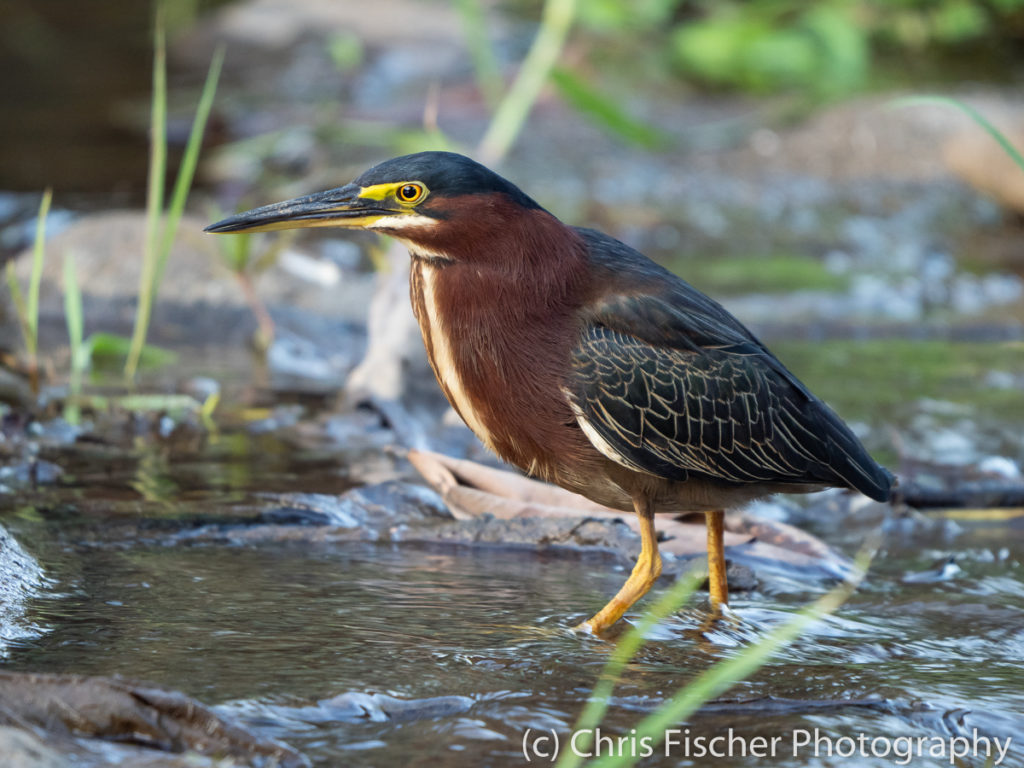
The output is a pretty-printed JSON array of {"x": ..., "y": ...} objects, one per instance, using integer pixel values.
[{"x": 446, "y": 174}]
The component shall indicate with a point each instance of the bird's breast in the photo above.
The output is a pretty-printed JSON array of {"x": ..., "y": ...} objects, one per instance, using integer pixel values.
[
  {"x": 500, "y": 365},
  {"x": 441, "y": 340}
]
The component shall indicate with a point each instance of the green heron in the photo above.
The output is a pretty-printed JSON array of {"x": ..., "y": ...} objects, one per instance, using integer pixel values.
[{"x": 584, "y": 363}]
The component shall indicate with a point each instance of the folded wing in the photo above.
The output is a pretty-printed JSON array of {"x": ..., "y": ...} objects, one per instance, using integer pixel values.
[{"x": 665, "y": 381}]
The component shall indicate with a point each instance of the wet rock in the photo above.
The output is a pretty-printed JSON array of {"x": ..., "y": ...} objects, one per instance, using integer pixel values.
[
  {"x": 399, "y": 502},
  {"x": 377, "y": 507},
  {"x": 200, "y": 387},
  {"x": 988, "y": 484},
  {"x": 398, "y": 511},
  {"x": 280, "y": 417},
  {"x": 963, "y": 721},
  {"x": 384, "y": 511},
  {"x": 152, "y": 719},
  {"x": 911, "y": 525},
  {"x": 361, "y": 427},
  {"x": 379, "y": 707},
  {"x": 541, "y": 533},
  {"x": 778, "y": 705},
  {"x": 354, "y": 708},
  {"x": 30, "y": 473},
  {"x": 947, "y": 570},
  {"x": 315, "y": 509},
  {"x": 55, "y": 432},
  {"x": 968, "y": 494},
  {"x": 308, "y": 357},
  {"x": 740, "y": 576},
  {"x": 999, "y": 466}
]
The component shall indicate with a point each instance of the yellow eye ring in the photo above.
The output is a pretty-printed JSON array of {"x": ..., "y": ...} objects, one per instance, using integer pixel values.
[{"x": 409, "y": 193}]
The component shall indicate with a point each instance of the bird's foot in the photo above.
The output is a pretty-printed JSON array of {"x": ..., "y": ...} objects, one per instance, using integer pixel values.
[{"x": 585, "y": 628}]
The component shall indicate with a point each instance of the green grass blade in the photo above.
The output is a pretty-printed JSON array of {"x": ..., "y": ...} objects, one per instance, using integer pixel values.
[
  {"x": 157, "y": 130},
  {"x": 158, "y": 137},
  {"x": 189, "y": 161},
  {"x": 235, "y": 252},
  {"x": 173, "y": 405},
  {"x": 157, "y": 402},
  {"x": 556, "y": 20},
  {"x": 155, "y": 191},
  {"x": 18, "y": 299},
  {"x": 38, "y": 256},
  {"x": 74, "y": 318},
  {"x": 625, "y": 650},
  {"x": 604, "y": 111},
  {"x": 237, "y": 258},
  {"x": 971, "y": 112},
  {"x": 108, "y": 350},
  {"x": 726, "y": 673},
  {"x": 206, "y": 412}
]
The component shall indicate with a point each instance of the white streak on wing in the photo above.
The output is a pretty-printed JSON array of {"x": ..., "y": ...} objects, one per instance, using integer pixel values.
[
  {"x": 444, "y": 361},
  {"x": 602, "y": 445}
]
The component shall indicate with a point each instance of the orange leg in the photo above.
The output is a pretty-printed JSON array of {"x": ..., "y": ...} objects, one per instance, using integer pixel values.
[
  {"x": 645, "y": 573},
  {"x": 717, "y": 585}
]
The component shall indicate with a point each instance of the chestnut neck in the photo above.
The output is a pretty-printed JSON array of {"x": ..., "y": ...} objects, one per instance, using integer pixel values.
[
  {"x": 523, "y": 257},
  {"x": 506, "y": 299}
]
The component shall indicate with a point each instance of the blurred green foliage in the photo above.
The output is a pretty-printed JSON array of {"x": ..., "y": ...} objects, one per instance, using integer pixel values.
[
  {"x": 346, "y": 51},
  {"x": 823, "y": 49},
  {"x": 764, "y": 46},
  {"x": 604, "y": 111},
  {"x": 616, "y": 15},
  {"x": 905, "y": 371},
  {"x": 722, "y": 275}
]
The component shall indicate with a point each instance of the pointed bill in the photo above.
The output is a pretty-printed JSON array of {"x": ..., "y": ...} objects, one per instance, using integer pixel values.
[{"x": 347, "y": 206}]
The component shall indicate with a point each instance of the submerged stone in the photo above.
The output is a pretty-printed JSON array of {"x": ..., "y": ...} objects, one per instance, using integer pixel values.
[{"x": 73, "y": 707}]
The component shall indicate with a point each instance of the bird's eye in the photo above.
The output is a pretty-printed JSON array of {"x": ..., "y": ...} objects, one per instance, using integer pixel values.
[{"x": 410, "y": 193}]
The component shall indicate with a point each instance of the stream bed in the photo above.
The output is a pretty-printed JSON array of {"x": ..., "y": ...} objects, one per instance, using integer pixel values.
[{"x": 370, "y": 653}]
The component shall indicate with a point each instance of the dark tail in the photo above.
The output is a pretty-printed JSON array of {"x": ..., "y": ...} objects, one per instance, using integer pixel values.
[{"x": 854, "y": 465}]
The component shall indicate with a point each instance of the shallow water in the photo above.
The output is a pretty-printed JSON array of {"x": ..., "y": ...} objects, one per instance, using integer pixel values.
[{"x": 270, "y": 633}]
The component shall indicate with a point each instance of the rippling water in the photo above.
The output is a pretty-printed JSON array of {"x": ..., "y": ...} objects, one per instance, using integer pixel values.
[{"x": 272, "y": 633}]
